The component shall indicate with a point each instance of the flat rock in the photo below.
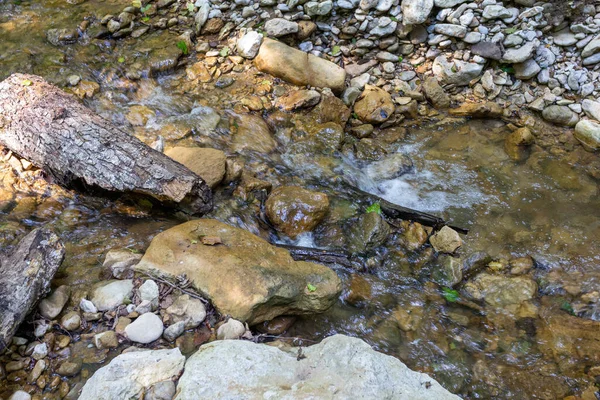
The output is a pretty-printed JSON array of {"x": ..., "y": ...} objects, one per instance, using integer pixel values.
[
  {"x": 435, "y": 93},
  {"x": 591, "y": 108},
  {"x": 129, "y": 374},
  {"x": 348, "y": 367},
  {"x": 252, "y": 134},
  {"x": 477, "y": 110},
  {"x": 491, "y": 50},
  {"x": 592, "y": 47},
  {"x": 446, "y": 240},
  {"x": 209, "y": 164},
  {"x": 112, "y": 295},
  {"x": 451, "y": 30},
  {"x": 277, "y": 27},
  {"x": 502, "y": 291},
  {"x": 527, "y": 69},
  {"x": 245, "y": 276},
  {"x": 518, "y": 55},
  {"x": 298, "y": 67},
  {"x": 298, "y": 99},
  {"x": 52, "y": 305}
]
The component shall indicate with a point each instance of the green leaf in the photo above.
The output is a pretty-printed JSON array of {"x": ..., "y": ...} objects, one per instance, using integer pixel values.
[
  {"x": 375, "y": 207},
  {"x": 400, "y": 58},
  {"x": 507, "y": 68},
  {"x": 190, "y": 7},
  {"x": 311, "y": 288},
  {"x": 224, "y": 52},
  {"x": 394, "y": 19},
  {"x": 566, "y": 306},
  {"x": 450, "y": 295},
  {"x": 137, "y": 3},
  {"x": 336, "y": 50},
  {"x": 145, "y": 8},
  {"x": 121, "y": 59},
  {"x": 182, "y": 45},
  {"x": 145, "y": 19},
  {"x": 26, "y": 82}
]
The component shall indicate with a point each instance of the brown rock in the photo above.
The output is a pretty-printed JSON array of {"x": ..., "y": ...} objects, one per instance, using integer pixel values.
[
  {"x": 209, "y": 164},
  {"x": 213, "y": 25},
  {"x": 139, "y": 115},
  {"x": 359, "y": 290},
  {"x": 374, "y": 105},
  {"x": 477, "y": 110},
  {"x": 305, "y": 29},
  {"x": 252, "y": 134},
  {"x": 446, "y": 240},
  {"x": 198, "y": 71},
  {"x": 435, "y": 93},
  {"x": 277, "y": 325},
  {"x": 298, "y": 99},
  {"x": 295, "y": 210}
]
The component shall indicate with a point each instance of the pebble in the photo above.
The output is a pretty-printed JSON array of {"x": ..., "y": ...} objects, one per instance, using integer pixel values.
[{"x": 145, "y": 329}]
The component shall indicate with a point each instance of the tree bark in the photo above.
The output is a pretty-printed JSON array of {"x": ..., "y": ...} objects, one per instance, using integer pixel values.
[
  {"x": 78, "y": 148},
  {"x": 25, "y": 277}
]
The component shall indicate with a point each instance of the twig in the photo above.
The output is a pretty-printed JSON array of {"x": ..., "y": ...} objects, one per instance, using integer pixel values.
[{"x": 166, "y": 282}]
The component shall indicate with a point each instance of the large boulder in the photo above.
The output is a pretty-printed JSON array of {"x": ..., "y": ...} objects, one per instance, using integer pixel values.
[
  {"x": 130, "y": 374},
  {"x": 207, "y": 163},
  {"x": 295, "y": 210},
  {"x": 339, "y": 367},
  {"x": 374, "y": 105},
  {"x": 245, "y": 276},
  {"x": 298, "y": 67}
]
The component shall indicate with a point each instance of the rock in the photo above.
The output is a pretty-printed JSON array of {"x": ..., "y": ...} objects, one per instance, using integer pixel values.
[
  {"x": 359, "y": 291},
  {"x": 560, "y": 115},
  {"x": 478, "y": 110},
  {"x": 61, "y": 37},
  {"x": 297, "y": 67},
  {"x": 71, "y": 321},
  {"x": 139, "y": 115},
  {"x": 503, "y": 291},
  {"x": 390, "y": 167},
  {"x": 416, "y": 12},
  {"x": 121, "y": 262},
  {"x": 208, "y": 163},
  {"x": 69, "y": 368},
  {"x": 455, "y": 72},
  {"x": 112, "y": 294},
  {"x": 202, "y": 15},
  {"x": 39, "y": 351},
  {"x": 164, "y": 390},
  {"x": 106, "y": 340},
  {"x": 342, "y": 365},
  {"x": 374, "y": 105},
  {"x": 369, "y": 232},
  {"x": 495, "y": 11},
  {"x": 87, "y": 306},
  {"x": 277, "y": 27},
  {"x": 255, "y": 281},
  {"x": 144, "y": 307},
  {"x": 435, "y": 93},
  {"x": 130, "y": 373},
  {"x": 298, "y": 99},
  {"x": 20, "y": 395},
  {"x": 145, "y": 329},
  {"x": 52, "y": 305},
  {"x": 447, "y": 270},
  {"x": 451, "y": 30},
  {"x": 588, "y": 133},
  {"x": 232, "y": 329},
  {"x": 149, "y": 291},
  {"x": 189, "y": 310},
  {"x": 564, "y": 38},
  {"x": 591, "y": 108},
  {"x": 174, "y": 331},
  {"x": 249, "y": 44},
  {"x": 591, "y": 48},
  {"x": 491, "y": 50},
  {"x": 294, "y": 210},
  {"x": 527, "y": 69},
  {"x": 448, "y": 3},
  {"x": 446, "y": 240},
  {"x": 253, "y": 134},
  {"x": 518, "y": 55}
]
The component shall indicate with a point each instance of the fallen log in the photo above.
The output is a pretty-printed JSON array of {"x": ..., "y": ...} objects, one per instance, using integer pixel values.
[
  {"x": 25, "y": 277},
  {"x": 80, "y": 149}
]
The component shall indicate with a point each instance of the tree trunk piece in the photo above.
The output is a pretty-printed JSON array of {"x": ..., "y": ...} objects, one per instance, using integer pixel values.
[
  {"x": 25, "y": 277},
  {"x": 78, "y": 148}
]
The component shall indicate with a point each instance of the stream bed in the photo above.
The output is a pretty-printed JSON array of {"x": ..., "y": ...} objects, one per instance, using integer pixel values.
[{"x": 531, "y": 222}]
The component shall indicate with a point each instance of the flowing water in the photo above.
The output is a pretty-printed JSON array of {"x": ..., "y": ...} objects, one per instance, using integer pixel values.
[{"x": 545, "y": 207}]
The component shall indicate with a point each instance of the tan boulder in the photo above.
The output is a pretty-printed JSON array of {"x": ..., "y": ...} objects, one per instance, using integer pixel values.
[
  {"x": 374, "y": 105},
  {"x": 209, "y": 164},
  {"x": 245, "y": 276},
  {"x": 295, "y": 210},
  {"x": 298, "y": 67}
]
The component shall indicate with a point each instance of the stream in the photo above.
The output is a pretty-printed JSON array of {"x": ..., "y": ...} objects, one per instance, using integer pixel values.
[{"x": 543, "y": 208}]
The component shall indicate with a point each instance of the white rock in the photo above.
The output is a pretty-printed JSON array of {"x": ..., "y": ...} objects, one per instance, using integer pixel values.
[
  {"x": 186, "y": 309},
  {"x": 20, "y": 395},
  {"x": 277, "y": 27},
  {"x": 232, "y": 329},
  {"x": 339, "y": 367},
  {"x": 87, "y": 306},
  {"x": 149, "y": 291},
  {"x": 112, "y": 294},
  {"x": 129, "y": 374},
  {"x": 145, "y": 329},
  {"x": 40, "y": 351},
  {"x": 249, "y": 44},
  {"x": 446, "y": 240},
  {"x": 416, "y": 11},
  {"x": 591, "y": 109},
  {"x": 202, "y": 14},
  {"x": 514, "y": 56}
]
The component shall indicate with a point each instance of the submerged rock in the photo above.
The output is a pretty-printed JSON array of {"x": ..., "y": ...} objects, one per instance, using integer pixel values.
[
  {"x": 501, "y": 290},
  {"x": 295, "y": 210},
  {"x": 369, "y": 232},
  {"x": 245, "y": 276},
  {"x": 340, "y": 365},
  {"x": 129, "y": 374}
]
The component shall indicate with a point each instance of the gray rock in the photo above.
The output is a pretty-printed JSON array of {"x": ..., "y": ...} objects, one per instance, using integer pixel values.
[
  {"x": 496, "y": 11},
  {"x": 490, "y": 50},
  {"x": 416, "y": 11},
  {"x": 455, "y": 72},
  {"x": 60, "y": 37},
  {"x": 112, "y": 294},
  {"x": 560, "y": 115},
  {"x": 450, "y": 30},
  {"x": 514, "y": 56},
  {"x": 591, "y": 109},
  {"x": 348, "y": 367},
  {"x": 231, "y": 330},
  {"x": 189, "y": 310},
  {"x": 148, "y": 291},
  {"x": 87, "y": 306},
  {"x": 145, "y": 329},
  {"x": 20, "y": 395},
  {"x": 384, "y": 30},
  {"x": 174, "y": 331},
  {"x": 435, "y": 93},
  {"x": 278, "y": 27},
  {"x": 164, "y": 390},
  {"x": 592, "y": 47},
  {"x": 473, "y": 37},
  {"x": 564, "y": 38},
  {"x": 527, "y": 69},
  {"x": 202, "y": 15},
  {"x": 448, "y": 3},
  {"x": 447, "y": 270},
  {"x": 130, "y": 373},
  {"x": 591, "y": 60},
  {"x": 39, "y": 351},
  {"x": 544, "y": 57},
  {"x": 52, "y": 305},
  {"x": 369, "y": 232},
  {"x": 249, "y": 44},
  {"x": 121, "y": 262},
  {"x": 588, "y": 133}
]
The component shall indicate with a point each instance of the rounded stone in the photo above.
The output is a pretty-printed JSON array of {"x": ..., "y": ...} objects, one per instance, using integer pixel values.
[{"x": 145, "y": 329}]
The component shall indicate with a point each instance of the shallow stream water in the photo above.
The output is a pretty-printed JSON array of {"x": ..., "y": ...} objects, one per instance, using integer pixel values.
[{"x": 545, "y": 207}]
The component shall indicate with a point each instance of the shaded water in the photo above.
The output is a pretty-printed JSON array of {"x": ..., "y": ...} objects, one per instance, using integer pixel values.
[{"x": 545, "y": 207}]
